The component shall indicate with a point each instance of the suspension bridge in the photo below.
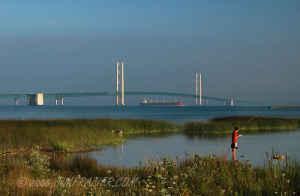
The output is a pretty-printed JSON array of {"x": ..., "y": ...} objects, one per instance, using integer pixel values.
[{"x": 119, "y": 93}]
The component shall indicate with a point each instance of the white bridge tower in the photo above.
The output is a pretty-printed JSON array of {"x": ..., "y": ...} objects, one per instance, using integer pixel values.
[
  {"x": 198, "y": 89},
  {"x": 120, "y": 84}
]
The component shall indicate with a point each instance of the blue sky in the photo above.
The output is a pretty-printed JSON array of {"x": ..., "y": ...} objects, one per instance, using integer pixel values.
[
  {"x": 247, "y": 49},
  {"x": 170, "y": 17}
]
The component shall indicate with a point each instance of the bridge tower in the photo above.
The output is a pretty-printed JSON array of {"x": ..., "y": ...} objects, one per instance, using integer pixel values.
[
  {"x": 232, "y": 102},
  {"x": 17, "y": 100},
  {"x": 120, "y": 83},
  {"x": 59, "y": 100},
  {"x": 198, "y": 89}
]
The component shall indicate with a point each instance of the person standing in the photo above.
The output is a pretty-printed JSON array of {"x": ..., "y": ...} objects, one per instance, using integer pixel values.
[{"x": 234, "y": 142}]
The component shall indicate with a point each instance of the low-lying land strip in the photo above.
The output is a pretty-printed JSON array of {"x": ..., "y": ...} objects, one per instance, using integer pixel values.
[
  {"x": 73, "y": 135},
  {"x": 247, "y": 124}
]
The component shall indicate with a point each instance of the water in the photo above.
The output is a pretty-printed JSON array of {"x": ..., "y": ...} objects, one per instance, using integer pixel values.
[
  {"x": 252, "y": 148},
  {"x": 174, "y": 114}
]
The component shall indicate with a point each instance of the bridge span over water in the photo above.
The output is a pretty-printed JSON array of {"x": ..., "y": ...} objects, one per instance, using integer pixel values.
[
  {"x": 60, "y": 96},
  {"x": 119, "y": 93}
]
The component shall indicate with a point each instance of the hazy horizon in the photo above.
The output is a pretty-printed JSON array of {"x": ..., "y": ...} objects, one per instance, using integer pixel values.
[{"x": 245, "y": 49}]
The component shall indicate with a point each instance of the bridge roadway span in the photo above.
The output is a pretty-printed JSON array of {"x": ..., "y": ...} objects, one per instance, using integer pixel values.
[
  {"x": 96, "y": 94},
  {"x": 128, "y": 93}
]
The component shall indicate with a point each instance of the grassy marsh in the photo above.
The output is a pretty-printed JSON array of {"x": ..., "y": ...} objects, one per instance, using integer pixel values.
[
  {"x": 73, "y": 135},
  {"x": 248, "y": 124},
  {"x": 36, "y": 174}
]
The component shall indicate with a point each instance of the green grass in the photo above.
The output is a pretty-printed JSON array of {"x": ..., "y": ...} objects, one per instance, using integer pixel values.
[
  {"x": 246, "y": 124},
  {"x": 73, "y": 135}
]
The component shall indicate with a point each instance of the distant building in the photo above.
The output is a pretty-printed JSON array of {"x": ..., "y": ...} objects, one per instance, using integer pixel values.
[
  {"x": 36, "y": 99},
  {"x": 39, "y": 99}
]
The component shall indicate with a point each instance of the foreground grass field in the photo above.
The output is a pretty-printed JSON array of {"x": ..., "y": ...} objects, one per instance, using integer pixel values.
[{"x": 37, "y": 174}]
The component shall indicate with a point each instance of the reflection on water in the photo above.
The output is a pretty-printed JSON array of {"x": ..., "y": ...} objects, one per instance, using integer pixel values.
[{"x": 254, "y": 147}]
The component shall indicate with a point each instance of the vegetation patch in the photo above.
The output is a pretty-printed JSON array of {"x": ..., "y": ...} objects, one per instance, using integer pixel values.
[
  {"x": 60, "y": 146},
  {"x": 192, "y": 176},
  {"x": 74, "y": 135},
  {"x": 247, "y": 124}
]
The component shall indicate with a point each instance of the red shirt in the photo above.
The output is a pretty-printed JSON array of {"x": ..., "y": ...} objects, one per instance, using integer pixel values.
[{"x": 235, "y": 136}]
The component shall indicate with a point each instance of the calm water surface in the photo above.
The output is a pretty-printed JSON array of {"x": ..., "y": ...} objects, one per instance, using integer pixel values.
[
  {"x": 174, "y": 114},
  {"x": 252, "y": 147}
]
